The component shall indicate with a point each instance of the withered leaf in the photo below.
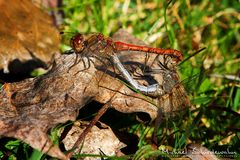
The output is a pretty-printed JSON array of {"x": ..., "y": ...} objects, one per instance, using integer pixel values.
[
  {"x": 28, "y": 109},
  {"x": 26, "y": 33},
  {"x": 99, "y": 140}
]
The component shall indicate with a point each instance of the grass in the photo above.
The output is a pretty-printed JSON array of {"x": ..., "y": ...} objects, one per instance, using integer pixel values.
[{"x": 187, "y": 26}]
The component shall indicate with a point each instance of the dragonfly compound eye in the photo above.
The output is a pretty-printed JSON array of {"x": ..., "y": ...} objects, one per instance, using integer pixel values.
[{"x": 77, "y": 43}]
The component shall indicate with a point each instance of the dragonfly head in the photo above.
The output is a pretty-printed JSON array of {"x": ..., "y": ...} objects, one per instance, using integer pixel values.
[{"x": 77, "y": 42}]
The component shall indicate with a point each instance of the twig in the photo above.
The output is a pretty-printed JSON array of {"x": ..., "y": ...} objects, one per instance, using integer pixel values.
[{"x": 89, "y": 127}]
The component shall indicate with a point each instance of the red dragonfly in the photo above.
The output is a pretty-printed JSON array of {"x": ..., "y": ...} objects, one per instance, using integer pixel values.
[
  {"x": 80, "y": 41},
  {"x": 97, "y": 45}
]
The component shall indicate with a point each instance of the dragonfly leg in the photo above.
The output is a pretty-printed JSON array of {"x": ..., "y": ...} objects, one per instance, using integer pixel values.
[
  {"x": 86, "y": 65},
  {"x": 75, "y": 62},
  {"x": 146, "y": 61},
  {"x": 88, "y": 62}
]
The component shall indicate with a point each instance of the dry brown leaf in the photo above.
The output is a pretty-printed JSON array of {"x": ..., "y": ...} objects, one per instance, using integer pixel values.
[
  {"x": 99, "y": 140},
  {"x": 51, "y": 5},
  {"x": 28, "y": 109},
  {"x": 26, "y": 33}
]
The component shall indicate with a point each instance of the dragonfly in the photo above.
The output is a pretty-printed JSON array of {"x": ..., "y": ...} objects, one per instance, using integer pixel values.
[
  {"x": 99, "y": 46},
  {"x": 168, "y": 95}
]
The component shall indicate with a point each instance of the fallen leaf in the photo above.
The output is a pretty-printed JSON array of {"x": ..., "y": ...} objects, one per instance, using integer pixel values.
[
  {"x": 100, "y": 140},
  {"x": 31, "y": 107},
  {"x": 26, "y": 34}
]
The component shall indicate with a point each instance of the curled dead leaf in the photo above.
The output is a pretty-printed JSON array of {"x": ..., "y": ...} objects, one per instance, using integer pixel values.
[
  {"x": 26, "y": 34},
  {"x": 99, "y": 140},
  {"x": 31, "y": 107}
]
